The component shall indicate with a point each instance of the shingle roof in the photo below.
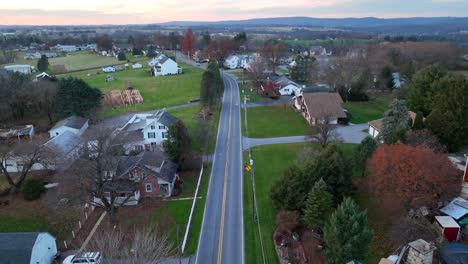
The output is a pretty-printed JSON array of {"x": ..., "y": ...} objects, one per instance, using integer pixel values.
[
  {"x": 76, "y": 122},
  {"x": 167, "y": 119},
  {"x": 64, "y": 143},
  {"x": 16, "y": 247},
  {"x": 321, "y": 105},
  {"x": 153, "y": 162}
]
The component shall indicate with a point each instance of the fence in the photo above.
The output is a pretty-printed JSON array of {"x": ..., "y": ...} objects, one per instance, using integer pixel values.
[
  {"x": 79, "y": 225},
  {"x": 187, "y": 230}
]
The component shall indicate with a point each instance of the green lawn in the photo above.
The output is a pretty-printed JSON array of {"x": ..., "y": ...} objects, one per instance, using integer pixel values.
[
  {"x": 270, "y": 162},
  {"x": 363, "y": 112},
  {"x": 79, "y": 61},
  {"x": 31, "y": 223},
  {"x": 275, "y": 121},
  {"x": 177, "y": 212}
]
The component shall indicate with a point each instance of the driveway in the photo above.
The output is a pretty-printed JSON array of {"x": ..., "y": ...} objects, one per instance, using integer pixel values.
[{"x": 347, "y": 134}]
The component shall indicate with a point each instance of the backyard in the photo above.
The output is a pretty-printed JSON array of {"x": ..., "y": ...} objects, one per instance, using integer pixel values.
[
  {"x": 363, "y": 112},
  {"x": 270, "y": 162},
  {"x": 274, "y": 121}
]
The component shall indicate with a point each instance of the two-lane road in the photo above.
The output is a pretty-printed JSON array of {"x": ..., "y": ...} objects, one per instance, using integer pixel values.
[{"x": 222, "y": 233}]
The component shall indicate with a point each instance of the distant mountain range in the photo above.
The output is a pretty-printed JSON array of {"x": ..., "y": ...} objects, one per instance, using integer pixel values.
[{"x": 370, "y": 24}]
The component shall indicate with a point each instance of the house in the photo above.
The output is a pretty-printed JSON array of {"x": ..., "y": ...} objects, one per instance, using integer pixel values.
[
  {"x": 21, "y": 68},
  {"x": 66, "y": 147},
  {"x": 146, "y": 131},
  {"x": 317, "y": 51},
  {"x": 19, "y": 133},
  {"x": 41, "y": 76},
  {"x": 31, "y": 248},
  {"x": 149, "y": 174},
  {"x": 163, "y": 65},
  {"x": 315, "y": 107},
  {"x": 239, "y": 61},
  {"x": 137, "y": 66},
  {"x": 375, "y": 126},
  {"x": 286, "y": 85},
  {"x": 447, "y": 227},
  {"x": 108, "y": 69},
  {"x": 66, "y": 48},
  {"x": 74, "y": 124}
]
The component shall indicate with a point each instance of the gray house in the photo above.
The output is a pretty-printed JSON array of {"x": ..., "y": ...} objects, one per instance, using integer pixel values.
[{"x": 32, "y": 248}]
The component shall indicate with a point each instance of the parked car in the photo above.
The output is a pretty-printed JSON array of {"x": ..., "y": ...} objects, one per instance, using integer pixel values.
[{"x": 84, "y": 257}]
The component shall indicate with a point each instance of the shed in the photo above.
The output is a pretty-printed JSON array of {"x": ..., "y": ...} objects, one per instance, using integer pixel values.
[
  {"x": 448, "y": 227},
  {"x": 33, "y": 248}
]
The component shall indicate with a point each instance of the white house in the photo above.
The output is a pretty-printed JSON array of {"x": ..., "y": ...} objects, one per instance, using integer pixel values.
[
  {"x": 21, "y": 68},
  {"x": 74, "y": 124},
  {"x": 146, "y": 131},
  {"x": 163, "y": 65},
  {"x": 66, "y": 48},
  {"x": 137, "y": 66},
  {"x": 108, "y": 69},
  {"x": 286, "y": 85},
  {"x": 239, "y": 61},
  {"x": 27, "y": 248}
]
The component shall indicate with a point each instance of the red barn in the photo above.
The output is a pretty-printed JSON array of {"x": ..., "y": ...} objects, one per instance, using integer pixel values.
[{"x": 448, "y": 227}]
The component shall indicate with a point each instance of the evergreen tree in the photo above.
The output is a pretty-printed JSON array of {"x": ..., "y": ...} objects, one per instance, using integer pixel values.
[
  {"x": 207, "y": 90},
  {"x": 241, "y": 37},
  {"x": 151, "y": 52},
  {"x": 418, "y": 121},
  {"x": 347, "y": 234},
  {"x": 396, "y": 122},
  {"x": 76, "y": 97},
  {"x": 290, "y": 191},
  {"x": 178, "y": 143},
  {"x": 423, "y": 89},
  {"x": 318, "y": 206},
  {"x": 136, "y": 52},
  {"x": 43, "y": 63},
  {"x": 121, "y": 56},
  {"x": 364, "y": 151},
  {"x": 387, "y": 77}
]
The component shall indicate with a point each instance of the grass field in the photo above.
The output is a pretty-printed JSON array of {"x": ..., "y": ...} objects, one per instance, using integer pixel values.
[
  {"x": 363, "y": 112},
  {"x": 75, "y": 62},
  {"x": 270, "y": 162},
  {"x": 275, "y": 121},
  {"x": 157, "y": 92}
]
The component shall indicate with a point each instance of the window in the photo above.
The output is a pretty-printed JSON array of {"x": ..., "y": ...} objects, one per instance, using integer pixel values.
[
  {"x": 151, "y": 135},
  {"x": 149, "y": 187},
  {"x": 162, "y": 127},
  {"x": 139, "y": 148},
  {"x": 164, "y": 135},
  {"x": 153, "y": 127}
]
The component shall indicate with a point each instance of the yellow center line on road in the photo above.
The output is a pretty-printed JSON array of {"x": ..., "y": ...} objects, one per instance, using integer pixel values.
[{"x": 221, "y": 233}]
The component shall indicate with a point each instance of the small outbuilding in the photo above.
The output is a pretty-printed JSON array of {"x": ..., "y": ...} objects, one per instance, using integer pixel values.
[
  {"x": 448, "y": 227},
  {"x": 32, "y": 248}
]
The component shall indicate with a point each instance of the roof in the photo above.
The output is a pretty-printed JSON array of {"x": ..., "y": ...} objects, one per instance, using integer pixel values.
[
  {"x": 154, "y": 162},
  {"x": 316, "y": 89},
  {"x": 64, "y": 143},
  {"x": 446, "y": 221},
  {"x": 167, "y": 119},
  {"x": 457, "y": 209},
  {"x": 454, "y": 253},
  {"x": 17, "y": 247},
  {"x": 16, "y": 131},
  {"x": 321, "y": 105},
  {"x": 75, "y": 122}
]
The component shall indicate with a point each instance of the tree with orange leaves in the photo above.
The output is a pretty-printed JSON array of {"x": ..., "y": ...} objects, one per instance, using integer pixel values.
[
  {"x": 412, "y": 175},
  {"x": 188, "y": 44}
]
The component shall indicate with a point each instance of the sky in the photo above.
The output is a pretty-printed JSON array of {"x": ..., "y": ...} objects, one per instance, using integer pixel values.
[{"x": 91, "y": 12}]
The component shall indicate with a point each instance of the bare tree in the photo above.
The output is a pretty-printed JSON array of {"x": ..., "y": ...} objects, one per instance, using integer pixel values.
[
  {"x": 257, "y": 70},
  {"x": 142, "y": 246},
  {"x": 324, "y": 132},
  {"x": 273, "y": 52},
  {"x": 18, "y": 159},
  {"x": 96, "y": 169}
]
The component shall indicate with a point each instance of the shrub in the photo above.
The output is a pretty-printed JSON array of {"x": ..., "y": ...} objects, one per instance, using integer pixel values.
[{"x": 32, "y": 189}]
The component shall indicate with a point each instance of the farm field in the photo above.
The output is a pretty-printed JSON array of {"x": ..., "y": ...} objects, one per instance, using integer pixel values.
[
  {"x": 270, "y": 162},
  {"x": 80, "y": 61}
]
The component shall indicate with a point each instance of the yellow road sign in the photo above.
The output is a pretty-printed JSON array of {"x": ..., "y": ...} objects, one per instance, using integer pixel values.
[{"x": 248, "y": 168}]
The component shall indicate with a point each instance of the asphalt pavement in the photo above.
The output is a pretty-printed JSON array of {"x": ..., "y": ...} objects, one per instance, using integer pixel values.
[{"x": 222, "y": 233}]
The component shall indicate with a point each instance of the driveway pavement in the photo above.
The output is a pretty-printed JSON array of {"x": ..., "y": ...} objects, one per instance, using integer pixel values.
[{"x": 346, "y": 134}]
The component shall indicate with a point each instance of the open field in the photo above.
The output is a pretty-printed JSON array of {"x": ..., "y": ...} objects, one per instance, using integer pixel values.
[
  {"x": 275, "y": 121},
  {"x": 157, "y": 92},
  {"x": 270, "y": 162},
  {"x": 75, "y": 62},
  {"x": 363, "y": 112}
]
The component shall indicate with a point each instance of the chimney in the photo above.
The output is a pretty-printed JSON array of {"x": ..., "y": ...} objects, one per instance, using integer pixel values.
[
  {"x": 464, "y": 192},
  {"x": 420, "y": 252}
]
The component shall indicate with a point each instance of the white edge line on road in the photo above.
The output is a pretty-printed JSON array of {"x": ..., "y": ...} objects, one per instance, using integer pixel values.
[{"x": 211, "y": 176}]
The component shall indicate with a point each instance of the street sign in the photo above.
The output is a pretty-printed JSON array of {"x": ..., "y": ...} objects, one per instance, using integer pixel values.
[{"x": 248, "y": 168}]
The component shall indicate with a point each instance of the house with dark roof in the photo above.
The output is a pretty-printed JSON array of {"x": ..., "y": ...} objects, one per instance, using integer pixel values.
[
  {"x": 149, "y": 174},
  {"x": 316, "y": 107},
  {"x": 146, "y": 131},
  {"x": 27, "y": 248},
  {"x": 286, "y": 86},
  {"x": 74, "y": 124},
  {"x": 163, "y": 65},
  {"x": 375, "y": 126}
]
